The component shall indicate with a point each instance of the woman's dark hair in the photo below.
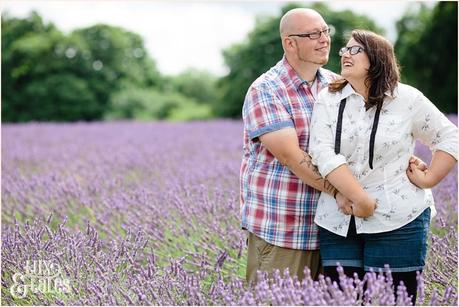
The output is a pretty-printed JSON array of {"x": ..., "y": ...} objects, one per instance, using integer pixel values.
[{"x": 383, "y": 73}]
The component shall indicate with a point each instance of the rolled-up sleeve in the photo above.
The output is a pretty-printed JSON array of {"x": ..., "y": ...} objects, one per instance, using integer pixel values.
[
  {"x": 322, "y": 135},
  {"x": 263, "y": 112},
  {"x": 433, "y": 128}
]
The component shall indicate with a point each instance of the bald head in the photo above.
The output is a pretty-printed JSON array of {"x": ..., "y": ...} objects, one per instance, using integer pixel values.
[
  {"x": 294, "y": 21},
  {"x": 305, "y": 54}
]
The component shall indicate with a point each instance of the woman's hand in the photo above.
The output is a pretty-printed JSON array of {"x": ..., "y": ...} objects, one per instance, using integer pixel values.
[
  {"x": 442, "y": 162},
  {"x": 364, "y": 207},
  {"x": 422, "y": 178},
  {"x": 344, "y": 204},
  {"x": 344, "y": 181},
  {"x": 418, "y": 163}
]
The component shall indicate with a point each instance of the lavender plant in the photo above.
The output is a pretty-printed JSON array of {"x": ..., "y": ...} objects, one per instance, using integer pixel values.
[{"x": 148, "y": 214}]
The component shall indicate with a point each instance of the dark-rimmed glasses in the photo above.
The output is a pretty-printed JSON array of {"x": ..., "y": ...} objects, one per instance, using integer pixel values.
[
  {"x": 353, "y": 50},
  {"x": 313, "y": 35}
]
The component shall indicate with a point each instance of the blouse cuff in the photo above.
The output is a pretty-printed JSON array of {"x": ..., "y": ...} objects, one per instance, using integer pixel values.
[{"x": 332, "y": 163}]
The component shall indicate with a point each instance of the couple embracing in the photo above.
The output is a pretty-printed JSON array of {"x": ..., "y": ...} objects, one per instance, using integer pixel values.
[{"x": 328, "y": 159}]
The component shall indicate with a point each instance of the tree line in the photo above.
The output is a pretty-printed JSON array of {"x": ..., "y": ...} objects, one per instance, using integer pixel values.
[{"x": 104, "y": 72}]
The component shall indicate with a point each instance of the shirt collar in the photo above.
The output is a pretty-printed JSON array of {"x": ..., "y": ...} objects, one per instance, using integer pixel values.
[
  {"x": 348, "y": 91},
  {"x": 321, "y": 76},
  {"x": 387, "y": 93},
  {"x": 295, "y": 80}
]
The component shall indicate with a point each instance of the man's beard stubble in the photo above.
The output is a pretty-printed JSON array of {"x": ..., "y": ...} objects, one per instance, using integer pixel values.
[{"x": 321, "y": 63}]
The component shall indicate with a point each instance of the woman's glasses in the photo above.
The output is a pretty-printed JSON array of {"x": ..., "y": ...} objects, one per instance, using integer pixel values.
[{"x": 353, "y": 50}]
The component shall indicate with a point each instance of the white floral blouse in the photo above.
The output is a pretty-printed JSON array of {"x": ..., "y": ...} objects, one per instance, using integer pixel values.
[{"x": 405, "y": 117}]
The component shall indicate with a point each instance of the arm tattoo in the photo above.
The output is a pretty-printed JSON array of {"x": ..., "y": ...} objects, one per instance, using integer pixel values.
[
  {"x": 329, "y": 187},
  {"x": 307, "y": 160}
]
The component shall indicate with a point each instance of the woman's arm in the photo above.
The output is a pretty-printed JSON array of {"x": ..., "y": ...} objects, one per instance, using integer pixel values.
[
  {"x": 440, "y": 166},
  {"x": 343, "y": 180},
  {"x": 434, "y": 129}
]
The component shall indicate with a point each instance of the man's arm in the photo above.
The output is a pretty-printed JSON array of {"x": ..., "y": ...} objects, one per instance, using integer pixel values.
[{"x": 283, "y": 144}]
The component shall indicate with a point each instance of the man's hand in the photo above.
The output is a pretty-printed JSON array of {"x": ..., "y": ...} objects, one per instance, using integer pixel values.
[{"x": 344, "y": 204}]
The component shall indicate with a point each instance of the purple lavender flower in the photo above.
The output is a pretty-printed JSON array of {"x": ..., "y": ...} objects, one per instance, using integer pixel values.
[{"x": 147, "y": 214}]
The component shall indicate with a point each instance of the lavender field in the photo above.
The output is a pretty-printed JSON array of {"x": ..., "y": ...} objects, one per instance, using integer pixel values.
[{"x": 148, "y": 214}]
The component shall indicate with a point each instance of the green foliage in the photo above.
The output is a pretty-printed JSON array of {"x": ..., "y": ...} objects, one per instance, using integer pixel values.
[
  {"x": 62, "y": 97},
  {"x": 121, "y": 54},
  {"x": 48, "y": 76},
  {"x": 262, "y": 49},
  {"x": 191, "y": 111},
  {"x": 92, "y": 73},
  {"x": 180, "y": 98},
  {"x": 427, "y": 52},
  {"x": 196, "y": 84},
  {"x": 146, "y": 104},
  {"x": 142, "y": 104}
]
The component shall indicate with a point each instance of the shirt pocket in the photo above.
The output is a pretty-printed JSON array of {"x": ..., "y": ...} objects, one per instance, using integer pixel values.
[
  {"x": 389, "y": 126},
  {"x": 390, "y": 137}
]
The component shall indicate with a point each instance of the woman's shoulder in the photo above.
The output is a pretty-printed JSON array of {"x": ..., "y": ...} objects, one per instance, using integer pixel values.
[
  {"x": 405, "y": 90},
  {"x": 328, "y": 95}
]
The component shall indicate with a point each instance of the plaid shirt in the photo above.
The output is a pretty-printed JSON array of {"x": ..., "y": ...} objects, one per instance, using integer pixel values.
[{"x": 275, "y": 204}]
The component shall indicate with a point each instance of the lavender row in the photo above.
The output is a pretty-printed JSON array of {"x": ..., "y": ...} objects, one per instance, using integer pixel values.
[
  {"x": 125, "y": 273},
  {"x": 152, "y": 216}
]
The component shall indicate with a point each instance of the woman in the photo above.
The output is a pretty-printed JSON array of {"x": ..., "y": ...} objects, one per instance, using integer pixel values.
[{"x": 363, "y": 133}]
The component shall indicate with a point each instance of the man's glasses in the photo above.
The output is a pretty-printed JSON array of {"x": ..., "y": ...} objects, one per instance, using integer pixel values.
[
  {"x": 313, "y": 35},
  {"x": 353, "y": 50}
]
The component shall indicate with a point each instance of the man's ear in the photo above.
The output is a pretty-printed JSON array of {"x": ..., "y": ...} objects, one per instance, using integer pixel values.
[{"x": 288, "y": 43}]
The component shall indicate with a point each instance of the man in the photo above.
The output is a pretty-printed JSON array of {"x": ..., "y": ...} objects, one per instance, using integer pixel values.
[{"x": 279, "y": 185}]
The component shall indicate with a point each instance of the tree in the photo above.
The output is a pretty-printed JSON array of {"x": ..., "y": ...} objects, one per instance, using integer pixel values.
[
  {"x": 147, "y": 104},
  {"x": 199, "y": 85},
  {"x": 47, "y": 75},
  {"x": 262, "y": 49},
  {"x": 427, "y": 52},
  {"x": 27, "y": 44},
  {"x": 117, "y": 60}
]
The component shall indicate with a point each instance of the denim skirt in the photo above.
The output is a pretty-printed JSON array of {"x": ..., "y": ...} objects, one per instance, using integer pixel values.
[{"x": 403, "y": 249}]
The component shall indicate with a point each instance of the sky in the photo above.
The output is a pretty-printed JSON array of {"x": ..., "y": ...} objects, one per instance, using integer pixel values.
[{"x": 184, "y": 34}]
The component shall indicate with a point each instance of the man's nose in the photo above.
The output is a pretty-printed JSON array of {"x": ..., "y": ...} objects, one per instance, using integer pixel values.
[{"x": 324, "y": 37}]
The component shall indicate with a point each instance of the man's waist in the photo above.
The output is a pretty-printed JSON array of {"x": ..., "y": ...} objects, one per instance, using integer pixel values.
[
  {"x": 268, "y": 176},
  {"x": 299, "y": 196},
  {"x": 303, "y": 237}
]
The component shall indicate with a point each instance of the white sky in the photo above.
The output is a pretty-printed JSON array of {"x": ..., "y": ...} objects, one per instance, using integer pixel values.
[{"x": 183, "y": 34}]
